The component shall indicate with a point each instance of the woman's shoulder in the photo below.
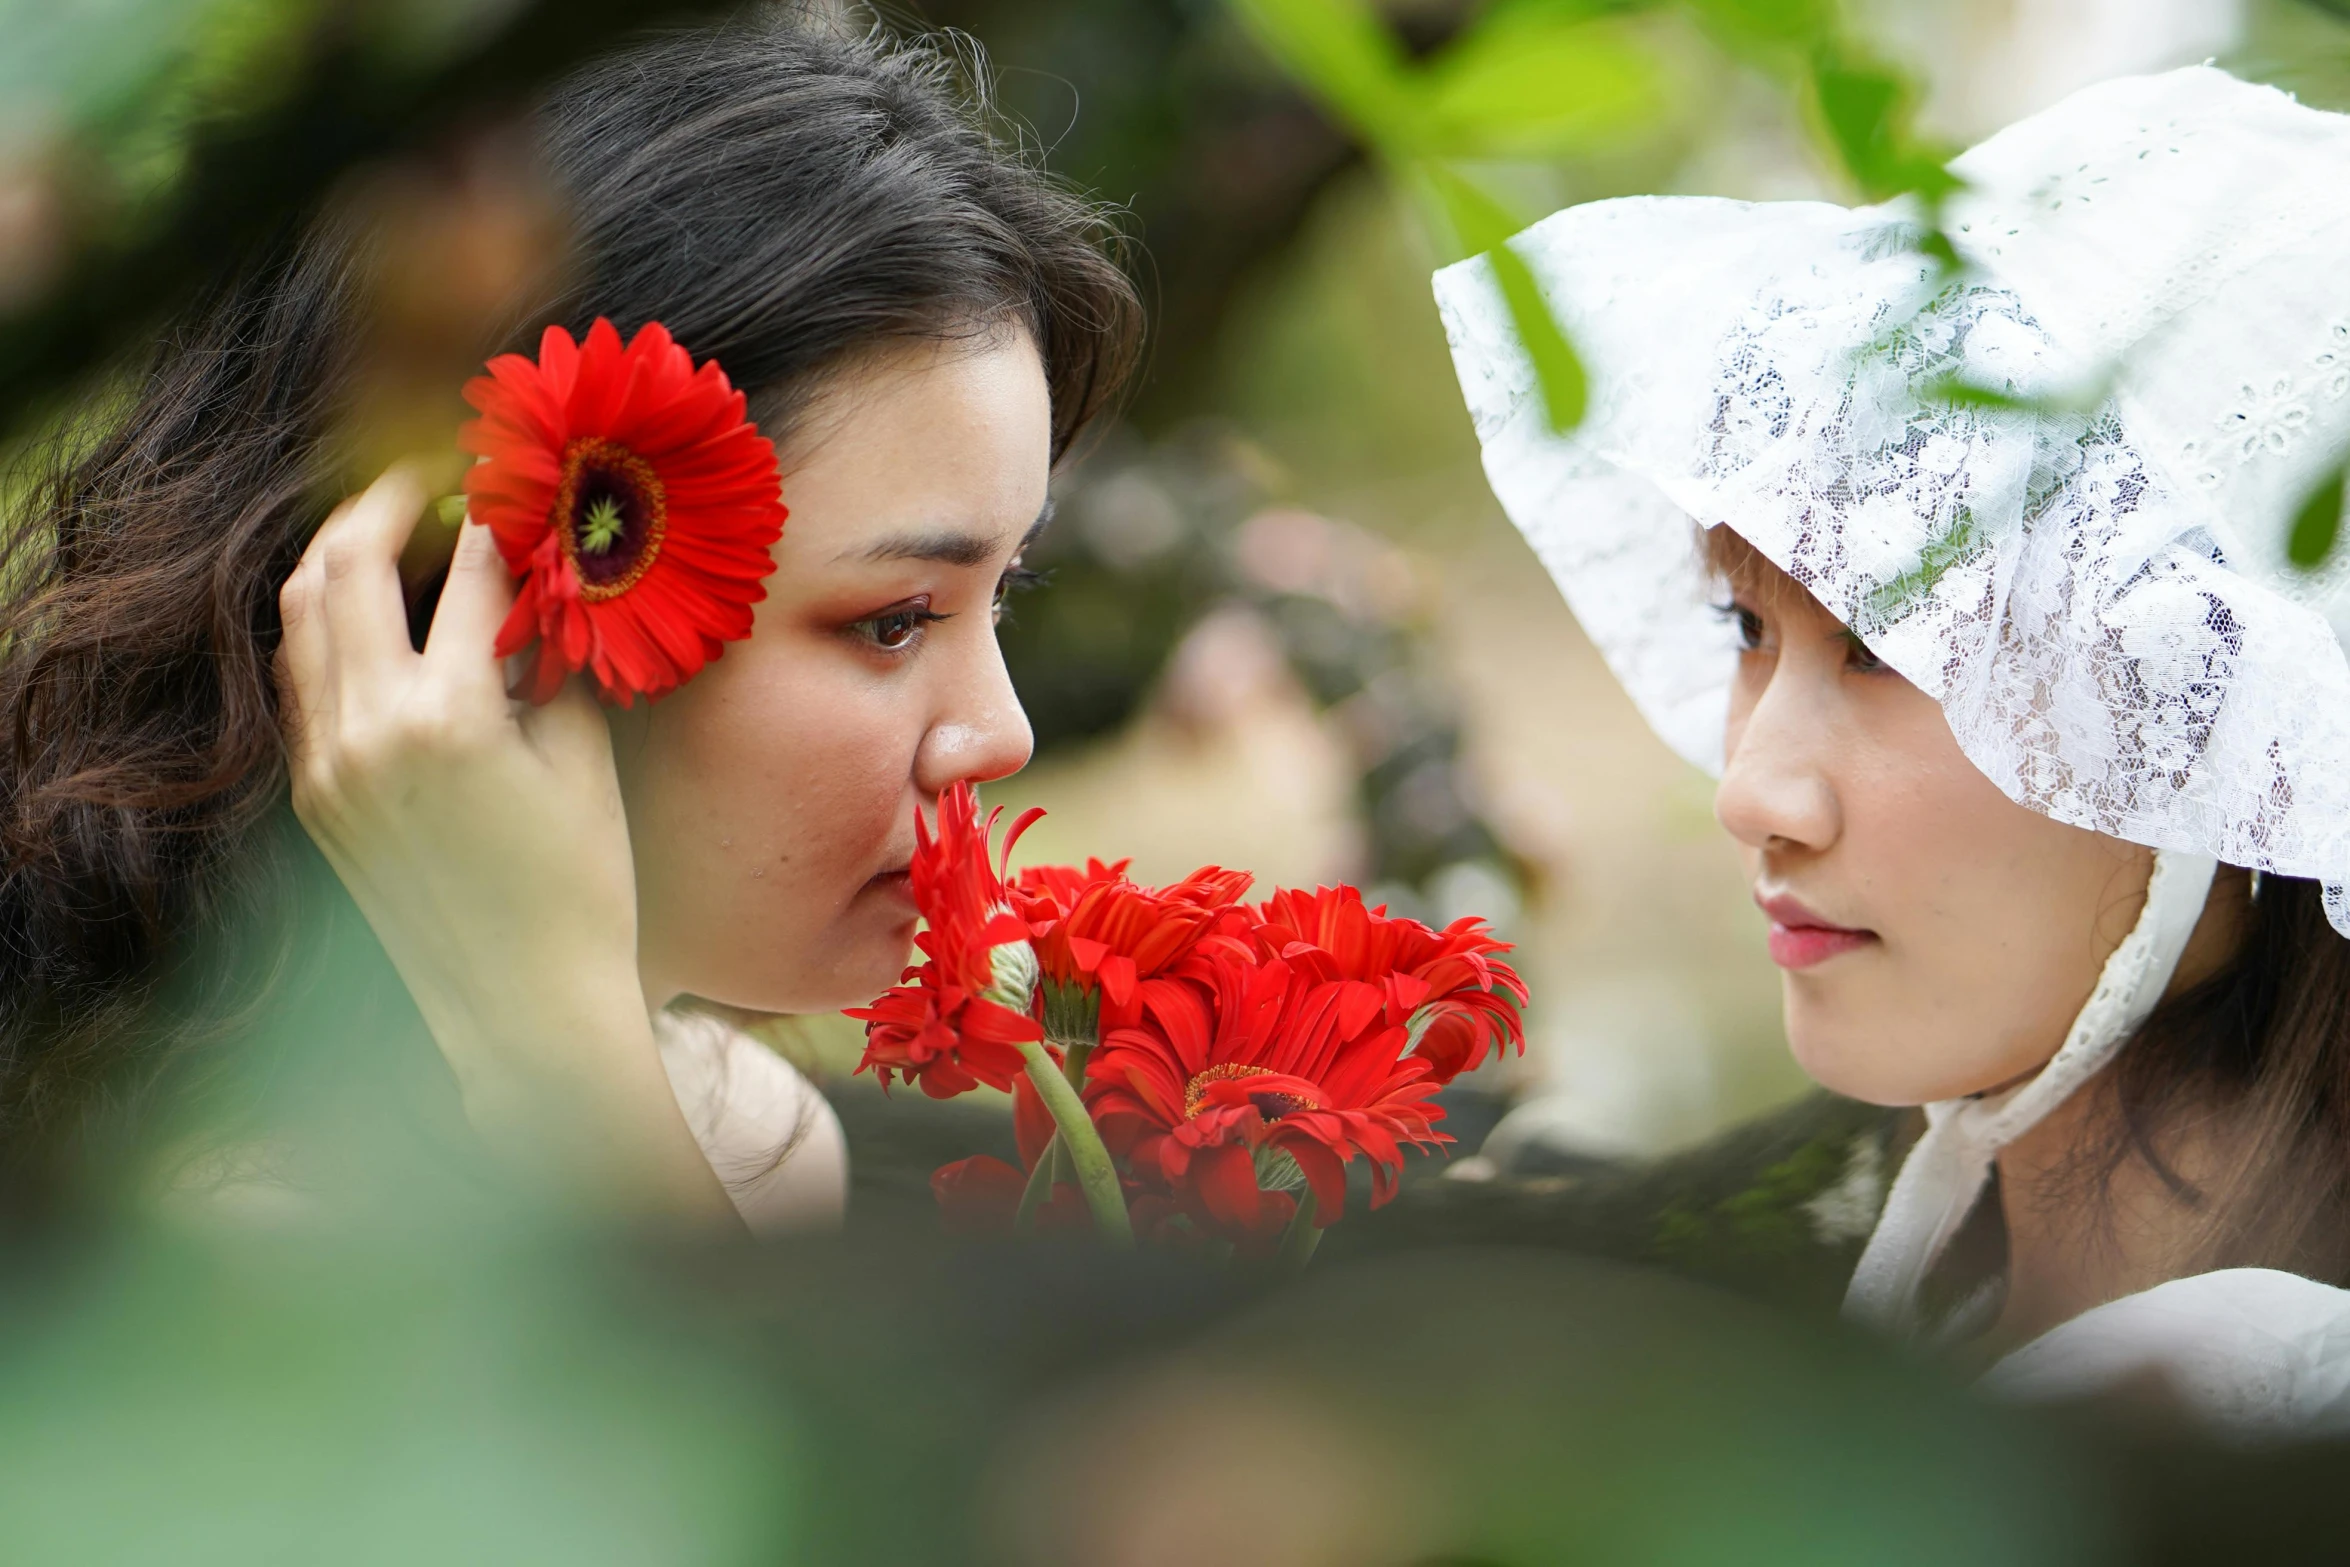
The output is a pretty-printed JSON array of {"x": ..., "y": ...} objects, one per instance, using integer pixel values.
[
  {"x": 772, "y": 1138},
  {"x": 2252, "y": 1353}
]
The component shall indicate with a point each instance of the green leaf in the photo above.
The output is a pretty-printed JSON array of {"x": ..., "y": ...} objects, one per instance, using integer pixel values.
[
  {"x": 1478, "y": 221},
  {"x": 1800, "y": 23},
  {"x": 1345, "y": 54},
  {"x": 2318, "y": 524},
  {"x": 1513, "y": 11},
  {"x": 1958, "y": 392},
  {"x": 1558, "y": 369},
  {"x": 1484, "y": 226},
  {"x": 1891, "y": 601},
  {"x": 1866, "y": 107},
  {"x": 1537, "y": 87},
  {"x": 1858, "y": 106}
]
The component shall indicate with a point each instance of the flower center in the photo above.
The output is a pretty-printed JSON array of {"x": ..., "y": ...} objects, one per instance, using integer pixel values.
[
  {"x": 610, "y": 513},
  {"x": 1272, "y": 1105}
]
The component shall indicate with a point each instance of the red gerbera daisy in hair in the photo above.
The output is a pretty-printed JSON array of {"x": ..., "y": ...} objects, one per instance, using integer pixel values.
[
  {"x": 962, "y": 1015},
  {"x": 1451, "y": 982},
  {"x": 633, "y": 500},
  {"x": 1240, "y": 1062},
  {"x": 1096, "y": 930}
]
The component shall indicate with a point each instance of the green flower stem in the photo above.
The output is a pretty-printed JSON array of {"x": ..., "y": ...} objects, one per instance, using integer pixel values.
[
  {"x": 1039, "y": 1187},
  {"x": 1302, "y": 1236},
  {"x": 1097, "y": 1178},
  {"x": 1073, "y": 1055},
  {"x": 1052, "y": 1165}
]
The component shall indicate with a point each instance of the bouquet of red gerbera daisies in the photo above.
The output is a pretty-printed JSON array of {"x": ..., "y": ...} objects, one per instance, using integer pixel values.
[{"x": 1185, "y": 1065}]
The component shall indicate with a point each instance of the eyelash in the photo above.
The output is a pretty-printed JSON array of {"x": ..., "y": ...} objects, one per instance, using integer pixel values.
[
  {"x": 910, "y": 619},
  {"x": 1016, "y": 579},
  {"x": 914, "y": 615},
  {"x": 1749, "y": 624},
  {"x": 1857, "y": 656}
]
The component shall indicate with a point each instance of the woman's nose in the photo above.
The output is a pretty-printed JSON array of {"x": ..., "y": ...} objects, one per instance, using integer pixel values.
[
  {"x": 981, "y": 731},
  {"x": 1776, "y": 789}
]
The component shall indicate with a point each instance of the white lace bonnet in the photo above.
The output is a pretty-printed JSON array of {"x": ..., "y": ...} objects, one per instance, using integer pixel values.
[{"x": 2100, "y": 599}]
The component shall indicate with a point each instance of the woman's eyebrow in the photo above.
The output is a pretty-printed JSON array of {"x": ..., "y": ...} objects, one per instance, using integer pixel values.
[{"x": 949, "y": 546}]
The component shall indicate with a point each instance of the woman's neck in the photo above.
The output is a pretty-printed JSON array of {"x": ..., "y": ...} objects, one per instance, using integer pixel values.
[{"x": 2079, "y": 1235}]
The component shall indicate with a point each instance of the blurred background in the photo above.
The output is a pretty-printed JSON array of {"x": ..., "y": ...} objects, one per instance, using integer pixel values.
[{"x": 1287, "y": 629}]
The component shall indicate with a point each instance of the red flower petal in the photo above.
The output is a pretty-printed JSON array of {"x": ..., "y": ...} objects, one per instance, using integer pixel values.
[
  {"x": 1234, "y": 1052},
  {"x": 979, "y": 1195},
  {"x": 695, "y": 483},
  {"x": 943, "y": 1027},
  {"x": 1226, "y": 1178}
]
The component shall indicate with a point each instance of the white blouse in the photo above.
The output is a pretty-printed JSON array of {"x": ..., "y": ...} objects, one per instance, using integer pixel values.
[
  {"x": 773, "y": 1140},
  {"x": 2251, "y": 1353}
]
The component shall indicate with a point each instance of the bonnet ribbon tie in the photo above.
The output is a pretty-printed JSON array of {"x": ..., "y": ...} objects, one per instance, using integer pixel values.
[{"x": 1944, "y": 1174}]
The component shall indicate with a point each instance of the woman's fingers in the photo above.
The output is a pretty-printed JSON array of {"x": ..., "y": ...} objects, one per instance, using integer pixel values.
[
  {"x": 304, "y": 666},
  {"x": 357, "y": 555},
  {"x": 473, "y": 605},
  {"x": 570, "y": 729}
]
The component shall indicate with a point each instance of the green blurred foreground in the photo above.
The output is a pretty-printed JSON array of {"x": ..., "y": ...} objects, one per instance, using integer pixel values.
[{"x": 489, "y": 1395}]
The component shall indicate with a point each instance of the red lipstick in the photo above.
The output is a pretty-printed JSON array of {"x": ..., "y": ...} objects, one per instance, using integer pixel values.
[{"x": 1801, "y": 939}]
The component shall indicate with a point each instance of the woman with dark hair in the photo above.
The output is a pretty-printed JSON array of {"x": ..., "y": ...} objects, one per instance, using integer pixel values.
[
  {"x": 1980, "y": 581},
  {"x": 922, "y": 323}
]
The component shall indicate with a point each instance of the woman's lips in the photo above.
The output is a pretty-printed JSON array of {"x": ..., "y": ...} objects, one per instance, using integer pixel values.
[
  {"x": 895, "y": 884},
  {"x": 1801, "y": 939}
]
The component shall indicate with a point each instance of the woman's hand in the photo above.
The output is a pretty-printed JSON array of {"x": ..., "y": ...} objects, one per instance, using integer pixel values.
[{"x": 485, "y": 842}]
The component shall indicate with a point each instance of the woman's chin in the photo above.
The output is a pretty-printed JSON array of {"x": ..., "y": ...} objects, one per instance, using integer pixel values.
[
  {"x": 1856, "y": 1060},
  {"x": 1849, "y": 1056},
  {"x": 868, "y": 965},
  {"x": 827, "y": 976}
]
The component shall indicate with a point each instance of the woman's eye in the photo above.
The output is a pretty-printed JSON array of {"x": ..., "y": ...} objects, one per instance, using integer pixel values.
[
  {"x": 1749, "y": 626},
  {"x": 1858, "y": 658},
  {"x": 895, "y": 630},
  {"x": 899, "y": 627}
]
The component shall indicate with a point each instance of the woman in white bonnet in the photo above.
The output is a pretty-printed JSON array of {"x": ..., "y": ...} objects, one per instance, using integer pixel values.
[{"x": 1973, "y": 587}]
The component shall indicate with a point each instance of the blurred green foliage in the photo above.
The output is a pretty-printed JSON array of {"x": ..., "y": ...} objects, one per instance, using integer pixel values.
[
  {"x": 503, "y": 1395},
  {"x": 1558, "y": 78},
  {"x": 1532, "y": 79}
]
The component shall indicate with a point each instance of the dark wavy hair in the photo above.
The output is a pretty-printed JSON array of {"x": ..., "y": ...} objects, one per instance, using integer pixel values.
[{"x": 781, "y": 192}]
